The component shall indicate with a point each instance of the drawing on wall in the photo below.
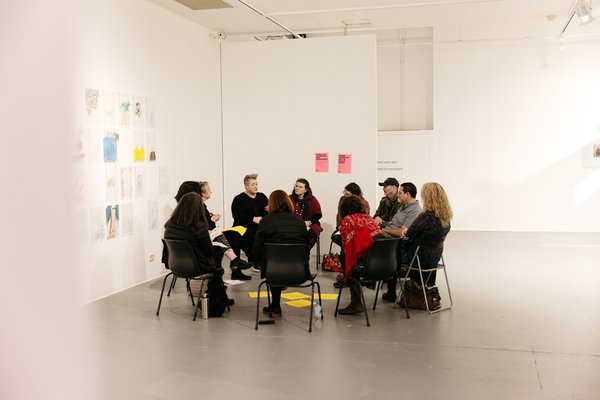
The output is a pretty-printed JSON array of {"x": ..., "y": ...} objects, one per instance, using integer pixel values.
[
  {"x": 124, "y": 109},
  {"x": 152, "y": 215},
  {"x": 344, "y": 163},
  {"x": 126, "y": 182},
  {"x": 139, "y": 111},
  {"x": 110, "y": 142},
  {"x": 163, "y": 179},
  {"x": 126, "y": 211},
  {"x": 112, "y": 221},
  {"x": 94, "y": 146},
  {"x": 91, "y": 105},
  {"x": 97, "y": 224},
  {"x": 151, "y": 145},
  {"x": 321, "y": 162},
  {"x": 591, "y": 155},
  {"x": 111, "y": 184},
  {"x": 139, "y": 151},
  {"x": 109, "y": 101},
  {"x": 150, "y": 113},
  {"x": 139, "y": 178}
]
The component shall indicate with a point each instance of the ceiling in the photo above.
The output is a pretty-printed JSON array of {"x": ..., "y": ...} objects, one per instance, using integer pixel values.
[{"x": 456, "y": 20}]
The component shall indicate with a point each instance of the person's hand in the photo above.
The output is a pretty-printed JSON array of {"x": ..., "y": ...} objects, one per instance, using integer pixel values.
[
  {"x": 267, "y": 208},
  {"x": 378, "y": 220},
  {"x": 256, "y": 220},
  {"x": 308, "y": 224},
  {"x": 403, "y": 231},
  {"x": 215, "y": 217}
]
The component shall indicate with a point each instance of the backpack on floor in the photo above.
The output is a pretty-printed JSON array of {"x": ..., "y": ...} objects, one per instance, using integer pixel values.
[{"x": 217, "y": 297}]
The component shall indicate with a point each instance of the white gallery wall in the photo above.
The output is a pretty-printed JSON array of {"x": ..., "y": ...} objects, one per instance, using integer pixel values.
[
  {"x": 284, "y": 101},
  {"x": 138, "y": 48},
  {"x": 511, "y": 122}
]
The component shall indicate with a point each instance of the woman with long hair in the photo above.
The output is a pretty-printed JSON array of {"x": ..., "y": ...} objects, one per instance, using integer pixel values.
[
  {"x": 352, "y": 189},
  {"x": 279, "y": 226},
  {"x": 429, "y": 229}
]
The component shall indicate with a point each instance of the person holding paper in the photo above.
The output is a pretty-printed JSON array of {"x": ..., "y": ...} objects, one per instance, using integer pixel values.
[
  {"x": 308, "y": 208},
  {"x": 225, "y": 243},
  {"x": 247, "y": 209}
]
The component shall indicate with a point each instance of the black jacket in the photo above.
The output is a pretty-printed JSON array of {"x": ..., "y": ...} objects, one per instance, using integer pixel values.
[
  {"x": 281, "y": 227},
  {"x": 198, "y": 238}
]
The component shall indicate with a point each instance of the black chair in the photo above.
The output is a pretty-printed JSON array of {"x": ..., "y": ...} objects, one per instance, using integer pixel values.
[
  {"x": 380, "y": 266},
  {"x": 416, "y": 265},
  {"x": 183, "y": 264},
  {"x": 286, "y": 265}
]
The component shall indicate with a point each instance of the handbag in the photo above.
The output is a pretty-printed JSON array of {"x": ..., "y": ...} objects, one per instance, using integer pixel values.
[
  {"x": 331, "y": 262},
  {"x": 413, "y": 296}
]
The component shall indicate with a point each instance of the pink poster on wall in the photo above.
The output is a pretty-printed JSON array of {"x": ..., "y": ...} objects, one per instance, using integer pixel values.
[
  {"x": 321, "y": 162},
  {"x": 344, "y": 163}
]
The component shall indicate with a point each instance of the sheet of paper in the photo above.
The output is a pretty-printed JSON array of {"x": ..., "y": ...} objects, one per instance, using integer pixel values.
[
  {"x": 321, "y": 162},
  {"x": 344, "y": 163}
]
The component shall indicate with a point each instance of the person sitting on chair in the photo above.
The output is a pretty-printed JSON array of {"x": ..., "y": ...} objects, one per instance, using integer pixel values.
[
  {"x": 389, "y": 204},
  {"x": 358, "y": 232},
  {"x": 308, "y": 208},
  {"x": 279, "y": 226},
  {"x": 230, "y": 240},
  {"x": 398, "y": 226},
  {"x": 429, "y": 230},
  {"x": 247, "y": 209}
]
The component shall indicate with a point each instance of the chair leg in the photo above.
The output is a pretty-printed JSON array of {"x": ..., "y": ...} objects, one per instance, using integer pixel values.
[
  {"x": 312, "y": 300},
  {"x": 362, "y": 296},
  {"x": 173, "y": 281},
  {"x": 337, "y": 305},
  {"x": 189, "y": 290},
  {"x": 258, "y": 304},
  {"x": 402, "y": 297},
  {"x": 379, "y": 284},
  {"x": 319, "y": 291},
  {"x": 318, "y": 252},
  {"x": 197, "y": 307},
  {"x": 162, "y": 291}
]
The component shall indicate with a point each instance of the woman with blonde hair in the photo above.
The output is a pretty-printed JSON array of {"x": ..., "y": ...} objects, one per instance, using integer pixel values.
[{"x": 429, "y": 229}]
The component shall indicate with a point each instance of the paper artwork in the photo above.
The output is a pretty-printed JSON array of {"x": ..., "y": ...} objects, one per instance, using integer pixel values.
[
  {"x": 139, "y": 111},
  {"x": 139, "y": 150},
  {"x": 150, "y": 113},
  {"x": 152, "y": 215},
  {"x": 151, "y": 145},
  {"x": 110, "y": 108},
  {"x": 126, "y": 211},
  {"x": 94, "y": 146},
  {"x": 112, "y": 221},
  {"x": 124, "y": 109},
  {"x": 97, "y": 224},
  {"x": 126, "y": 182},
  {"x": 344, "y": 163},
  {"x": 322, "y": 162},
  {"x": 92, "y": 105},
  {"x": 139, "y": 181},
  {"x": 110, "y": 144},
  {"x": 591, "y": 155},
  {"x": 111, "y": 184}
]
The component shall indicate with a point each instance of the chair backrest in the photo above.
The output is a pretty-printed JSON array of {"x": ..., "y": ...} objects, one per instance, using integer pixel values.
[
  {"x": 182, "y": 260},
  {"x": 286, "y": 264},
  {"x": 381, "y": 260}
]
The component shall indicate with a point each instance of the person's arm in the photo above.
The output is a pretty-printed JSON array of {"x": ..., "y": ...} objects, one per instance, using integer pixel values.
[
  {"x": 316, "y": 211},
  {"x": 259, "y": 242}
]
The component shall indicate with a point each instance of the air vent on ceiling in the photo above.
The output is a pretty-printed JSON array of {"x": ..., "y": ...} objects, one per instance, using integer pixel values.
[{"x": 204, "y": 4}]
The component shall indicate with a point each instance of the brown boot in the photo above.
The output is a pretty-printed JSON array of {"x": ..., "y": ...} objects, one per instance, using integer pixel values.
[{"x": 356, "y": 306}]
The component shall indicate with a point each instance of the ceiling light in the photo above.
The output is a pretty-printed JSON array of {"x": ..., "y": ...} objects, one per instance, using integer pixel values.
[{"x": 583, "y": 11}]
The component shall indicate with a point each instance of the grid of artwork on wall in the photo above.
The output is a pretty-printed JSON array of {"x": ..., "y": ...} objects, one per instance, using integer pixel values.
[{"x": 120, "y": 138}]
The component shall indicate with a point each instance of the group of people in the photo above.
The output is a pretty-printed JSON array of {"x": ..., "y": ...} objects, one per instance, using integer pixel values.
[{"x": 295, "y": 218}]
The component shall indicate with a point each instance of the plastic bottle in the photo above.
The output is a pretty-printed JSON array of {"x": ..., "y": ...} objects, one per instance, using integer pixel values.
[
  {"x": 318, "y": 315},
  {"x": 204, "y": 306}
]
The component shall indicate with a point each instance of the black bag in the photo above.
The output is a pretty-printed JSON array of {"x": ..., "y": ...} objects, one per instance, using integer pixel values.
[
  {"x": 413, "y": 296},
  {"x": 217, "y": 297}
]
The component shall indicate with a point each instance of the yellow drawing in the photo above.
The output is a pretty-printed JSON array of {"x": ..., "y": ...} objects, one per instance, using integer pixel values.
[{"x": 295, "y": 296}]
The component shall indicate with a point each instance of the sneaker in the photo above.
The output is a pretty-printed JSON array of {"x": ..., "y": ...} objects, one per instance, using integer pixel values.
[
  {"x": 274, "y": 312},
  {"x": 255, "y": 268},
  {"x": 239, "y": 265},
  {"x": 390, "y": 297},
  {"x": 239, "y": 276}
]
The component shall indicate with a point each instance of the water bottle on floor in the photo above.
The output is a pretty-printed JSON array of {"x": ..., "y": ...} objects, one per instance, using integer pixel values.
[{"x": 318, "y": 315}]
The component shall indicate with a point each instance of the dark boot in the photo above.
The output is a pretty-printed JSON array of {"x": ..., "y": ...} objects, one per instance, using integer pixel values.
[
  {"x": 238, "y": 275},
  {"x": 356, "y": 306},
  {"x": 390, "y": 296},
  {"x": 237, "y": 264}
]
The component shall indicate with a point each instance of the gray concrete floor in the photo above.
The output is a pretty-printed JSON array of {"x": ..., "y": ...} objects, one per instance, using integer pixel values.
[{"x": 525, "y": 325}]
